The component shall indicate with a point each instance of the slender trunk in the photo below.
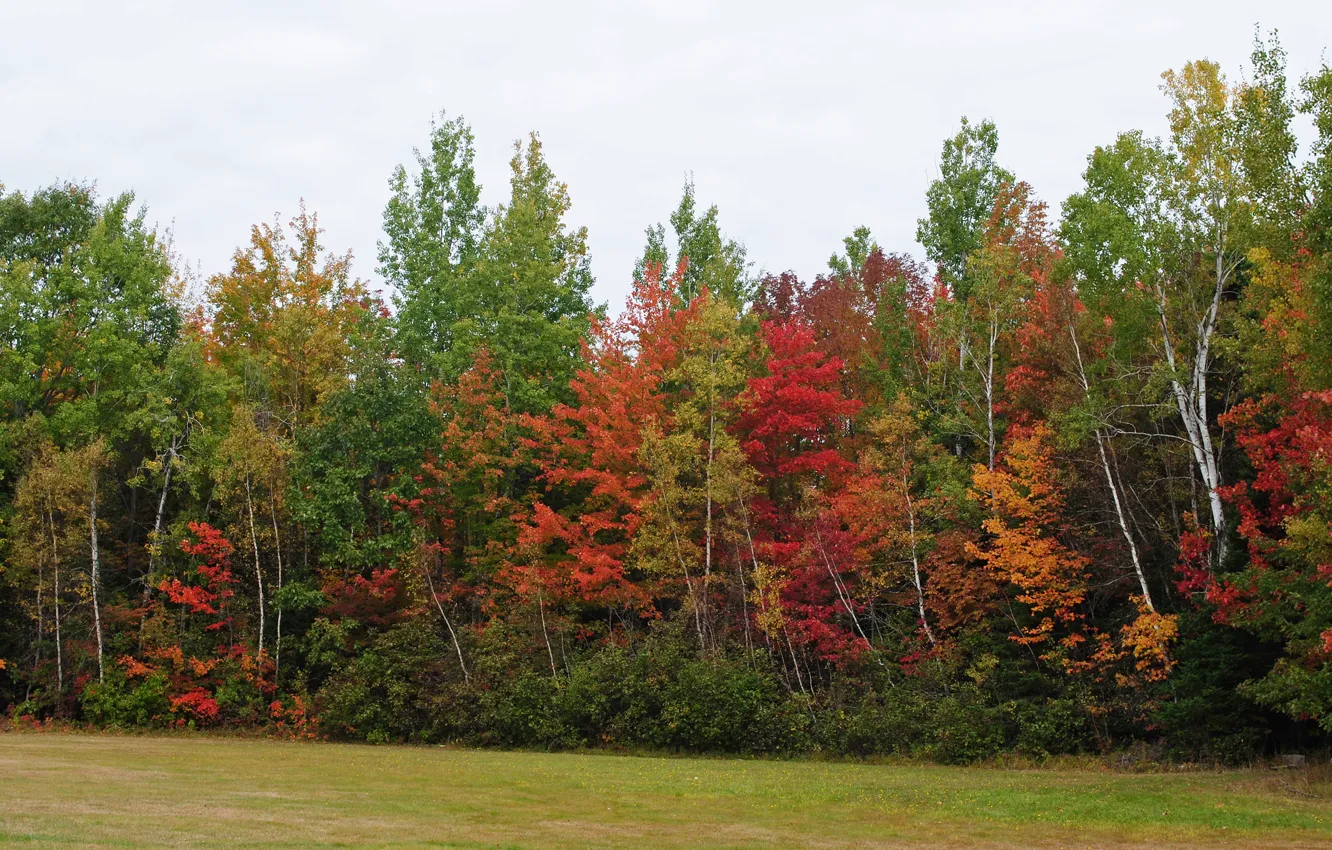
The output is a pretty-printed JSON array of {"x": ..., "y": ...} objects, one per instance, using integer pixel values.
[
  {"x": 41, "y": 609},
  {"x": 707, "y": 551},
  {"x": 689, "y": 581},
  {"x": 795, "y": 662},
  {"x": 55, "y": 566},
  {"x": 1123, "y": 521},
  {"x": 744, "y": 601},
  {"x": 915, "y": 555},
  {"x": 541, "y": 608},
  {"x": 842, "y": 593},
  {"x": 989, "y": 390},
  {"x": 96, "y": 572},
  {"x": 155, "y": 545},
  {"x": 753, "y": 557},
  {"x": 277, "y": 549},
  {"x": 457, "y": 647},
  {"x": 258, "y": 570},
  {"x": 1111, "y": 482},
  {"x": 961, "y": 369}
]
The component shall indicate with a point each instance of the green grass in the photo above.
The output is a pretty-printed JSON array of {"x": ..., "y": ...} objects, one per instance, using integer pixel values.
[{"x": 61, "y": 790}]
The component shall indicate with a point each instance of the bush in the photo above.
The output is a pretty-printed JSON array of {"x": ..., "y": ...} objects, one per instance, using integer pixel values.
[
  {"x": 1048, "y": 728},
  {"x": 964, "y": 730},
  {"x": 1206, "y": 716},
  {"x": 118, "y": 701},
  {"x": 726, "y": 707},
  {"x": 394, "y": 690}
]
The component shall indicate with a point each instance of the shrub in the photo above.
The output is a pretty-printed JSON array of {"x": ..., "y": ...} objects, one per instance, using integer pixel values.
[{"x": 119, "y": 701}]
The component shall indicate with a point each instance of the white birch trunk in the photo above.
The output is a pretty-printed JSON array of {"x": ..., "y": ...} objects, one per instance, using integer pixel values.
[
  {"x": 96, "y": 571},
  {"x": 258, "y": 570}
]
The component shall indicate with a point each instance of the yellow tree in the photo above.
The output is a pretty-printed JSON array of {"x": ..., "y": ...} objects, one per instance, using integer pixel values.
[
  {"x": 56, "y": 540},
  {"x": 285, "y": 322},
  {"x": 252, "y": 477},
  {"x": 696, "y": 466},
  {"x": 1024, "y": 550}
]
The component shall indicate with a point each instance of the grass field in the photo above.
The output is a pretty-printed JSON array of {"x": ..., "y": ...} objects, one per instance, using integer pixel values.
[{"x": 108, "y": 791}]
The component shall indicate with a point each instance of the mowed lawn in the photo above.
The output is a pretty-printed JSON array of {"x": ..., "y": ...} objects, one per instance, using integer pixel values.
[{"x": 186, "y": 791}]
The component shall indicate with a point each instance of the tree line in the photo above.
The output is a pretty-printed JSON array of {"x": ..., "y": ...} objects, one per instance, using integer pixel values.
[{"x": 1058, "y": 486}]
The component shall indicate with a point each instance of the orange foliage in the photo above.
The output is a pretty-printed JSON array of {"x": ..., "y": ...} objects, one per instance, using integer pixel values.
[{"x": 1026, "y": 506}]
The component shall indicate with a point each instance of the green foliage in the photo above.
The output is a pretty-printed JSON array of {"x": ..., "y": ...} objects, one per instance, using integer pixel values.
[
  {"x": 395, "y": 688},
  {"x": 433, "y": 229},
  {"x": 859, "y": 245},
  {"x": 712, "y": 261},
  {"x": 118, "y": 701},
  {"x": 960, "y": 201},
  {"x": 1206, "y": 716},
  {"x": 779, "y": 517}
]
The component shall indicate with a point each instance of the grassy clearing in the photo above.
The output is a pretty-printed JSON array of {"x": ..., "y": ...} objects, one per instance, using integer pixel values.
[{"x": 202, "y": 792}]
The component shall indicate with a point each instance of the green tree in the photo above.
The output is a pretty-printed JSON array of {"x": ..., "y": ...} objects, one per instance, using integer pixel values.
[
  {"x": 696, "y": 467},
  {"x": 527, "y": 300},
  {"x": 85, "y": 313},
  {"x": 859, "y": 246},
  {"x": 713, "y": 261},
  {"x": 433, "y": 227},
  {"x": 960, "y": 201}
]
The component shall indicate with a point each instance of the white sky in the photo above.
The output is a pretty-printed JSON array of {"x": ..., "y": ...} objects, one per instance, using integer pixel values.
[{"x": 799, "y": 120}]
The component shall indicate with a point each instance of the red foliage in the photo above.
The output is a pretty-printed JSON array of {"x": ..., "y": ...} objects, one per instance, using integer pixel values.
[
  {"x": 793, "y": 416},
  {"x": 1289, "y": 446},
  {"x": 215, "y": 551},
  {"x": 198, "y": 704},
  {"x": 294, "y": 719},
  {"x": 378, "y": 599},
  {"x": 591, "y": 448}
]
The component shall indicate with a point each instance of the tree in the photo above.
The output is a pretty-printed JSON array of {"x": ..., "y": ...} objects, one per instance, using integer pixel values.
[
  {"x": 433, "y": 226},
  {"x": 695, "y": 466},
  {"x": 1024, "y": 549},
  {"x": 792, "y": 419},
  {"x": 1160, "y": 237},
  {"x": 283, "y": 323},
  {"x": 45, "y": 538},
  {"x": 589, "y": 451},
  {"x": 251, "y": 475},
  {"x": 883, "y": 506},
  {"x": 960, "y": 201},
  {"x": 1283, "y": 594},
  {"x": 85, "y": 313},
  {"x": 528, "y": 298},
  {"x": 710, "y": 260},
  {"x": 859, "y": 246}
]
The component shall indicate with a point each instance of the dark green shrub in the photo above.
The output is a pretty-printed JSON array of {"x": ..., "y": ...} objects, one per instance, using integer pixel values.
[
  {"x": 119, "y": 701},
  {"x": 394, "y": 689},
  {"x": 1050, "y": 727}
]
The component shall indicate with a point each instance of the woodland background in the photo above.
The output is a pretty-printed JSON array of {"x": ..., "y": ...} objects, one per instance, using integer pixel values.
[{"x": 1059, "y": 486}]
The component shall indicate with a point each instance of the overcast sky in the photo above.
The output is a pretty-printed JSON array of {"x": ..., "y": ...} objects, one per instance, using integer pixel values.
[{"x": 801, "y": 121}]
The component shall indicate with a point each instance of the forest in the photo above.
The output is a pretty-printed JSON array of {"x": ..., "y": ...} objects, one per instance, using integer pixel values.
[{"x": 1061, "y": 485}]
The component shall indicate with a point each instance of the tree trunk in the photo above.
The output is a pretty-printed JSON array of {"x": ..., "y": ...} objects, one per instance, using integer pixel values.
[
  {"x": 541, "y": 608},
  {"x": 707, "y": 552},
  {"x": 1191, "y": 401},
  {"x": 155, "y": 541},
  {"x": 457, "y": 647},
  {"x": 258, "y": 571},
  {"x": 1113, "y": 484},
  {"x": 55, "y": 564},
  {"x": 277, "y": 549},
  {"x": 96, "y": 572},
  {"x": 915, "y": 555}
]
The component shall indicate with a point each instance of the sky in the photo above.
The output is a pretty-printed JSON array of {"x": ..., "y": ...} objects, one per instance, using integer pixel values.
[{"x": 800, "y": 121}]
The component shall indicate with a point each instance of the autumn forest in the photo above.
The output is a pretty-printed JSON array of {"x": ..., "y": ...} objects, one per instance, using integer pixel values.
[{"x": 1063, "y": 484}]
